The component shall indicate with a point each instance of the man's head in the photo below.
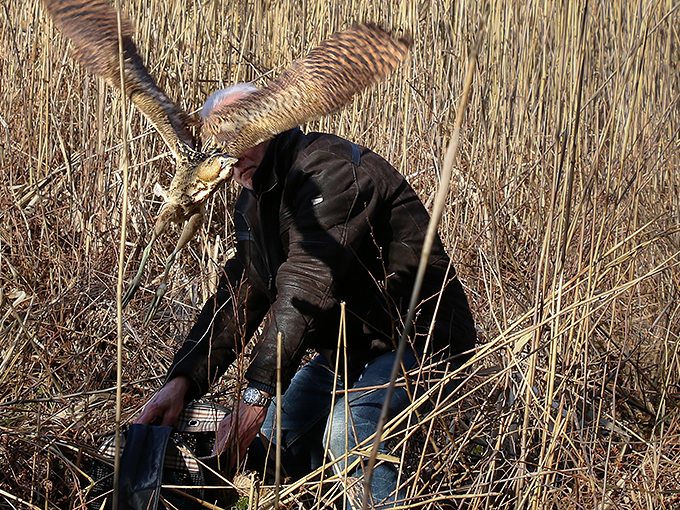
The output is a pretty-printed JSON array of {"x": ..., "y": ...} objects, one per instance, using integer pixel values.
[{"x": 250, "y": 159}]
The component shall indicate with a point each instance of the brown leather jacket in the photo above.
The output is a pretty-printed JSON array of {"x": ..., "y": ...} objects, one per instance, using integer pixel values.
[{"x": 329, "y": 221}]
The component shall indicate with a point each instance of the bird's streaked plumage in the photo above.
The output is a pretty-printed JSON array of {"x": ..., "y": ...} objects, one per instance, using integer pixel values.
[
  {"x": 320, "y": 83},
  {"x": 92, "y": 27}
]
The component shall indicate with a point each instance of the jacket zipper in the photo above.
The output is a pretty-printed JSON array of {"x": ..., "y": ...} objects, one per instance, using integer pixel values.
[{"x": 263, "y": 246}]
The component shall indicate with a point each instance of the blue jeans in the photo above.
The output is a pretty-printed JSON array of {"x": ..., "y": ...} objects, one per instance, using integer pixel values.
[{"x": 307, "y": 425}]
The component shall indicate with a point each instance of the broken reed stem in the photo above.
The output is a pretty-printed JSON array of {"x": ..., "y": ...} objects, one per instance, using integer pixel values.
[
  {"x": 432, "y": 227},
  {"x": 121, "y": 263}
]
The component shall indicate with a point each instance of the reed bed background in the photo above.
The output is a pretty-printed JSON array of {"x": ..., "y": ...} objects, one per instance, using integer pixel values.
[{"x": 563, "y": 222}]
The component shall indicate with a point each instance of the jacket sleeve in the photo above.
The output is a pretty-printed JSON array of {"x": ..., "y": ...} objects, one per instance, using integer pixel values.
[
  {"x": 331, "y": 206},
  {"x": 219, "y": 335}
]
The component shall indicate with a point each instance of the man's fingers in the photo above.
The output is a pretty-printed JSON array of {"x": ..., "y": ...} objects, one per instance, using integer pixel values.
[
  {"x": 223, "y": 433},
  {"x": 145, "y": 417},
  {"x": 166, "y": 405},
  {"x": 148, "y": 415},
  {"x": 168, "y": 420},
  {"x": 153, "y": 414}
]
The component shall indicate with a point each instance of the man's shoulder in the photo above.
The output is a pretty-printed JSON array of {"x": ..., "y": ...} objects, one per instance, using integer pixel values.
[
  {"x": 319, "y": 145},
  {"x": 326, "y": 142}
]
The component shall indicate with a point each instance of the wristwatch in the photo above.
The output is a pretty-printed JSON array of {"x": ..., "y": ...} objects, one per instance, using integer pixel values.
[{"x": 254, "y": 397}]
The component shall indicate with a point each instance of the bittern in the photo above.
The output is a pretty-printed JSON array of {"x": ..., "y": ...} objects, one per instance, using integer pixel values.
[{"x": 316, "y": 85}]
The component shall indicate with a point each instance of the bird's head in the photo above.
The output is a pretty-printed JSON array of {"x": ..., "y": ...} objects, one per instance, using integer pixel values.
[
  {"x": 211, "y": 173},
  {"x": 196, "y": 178}
]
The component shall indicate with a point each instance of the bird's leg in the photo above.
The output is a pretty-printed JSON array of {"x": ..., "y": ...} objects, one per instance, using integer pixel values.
[
  {"x": 136, "y": 281},
  {"x": 162, "y": 222},
  {"x": 189, "y": 231}
]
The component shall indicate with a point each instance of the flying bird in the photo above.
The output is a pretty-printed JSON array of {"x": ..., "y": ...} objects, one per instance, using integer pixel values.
[{"x": 320, "y": 83}]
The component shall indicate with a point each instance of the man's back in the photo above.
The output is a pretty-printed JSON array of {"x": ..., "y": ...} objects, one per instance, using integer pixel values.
[{"x": 329, "y": 221}]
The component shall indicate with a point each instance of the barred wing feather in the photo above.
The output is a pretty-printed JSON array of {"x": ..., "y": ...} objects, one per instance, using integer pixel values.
[
  {"x": 324, "y": 81},
  {"x": 92, "y": 27}
]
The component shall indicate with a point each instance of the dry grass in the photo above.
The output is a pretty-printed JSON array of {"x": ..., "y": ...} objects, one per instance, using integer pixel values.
[{"x": 563, "y": 222}]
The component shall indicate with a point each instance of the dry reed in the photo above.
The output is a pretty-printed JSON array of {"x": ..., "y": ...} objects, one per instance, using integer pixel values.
[{"x": 563, "y": 222}]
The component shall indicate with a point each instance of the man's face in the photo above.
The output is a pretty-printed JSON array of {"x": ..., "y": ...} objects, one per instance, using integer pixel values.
[{"x": 248, "y": 163}]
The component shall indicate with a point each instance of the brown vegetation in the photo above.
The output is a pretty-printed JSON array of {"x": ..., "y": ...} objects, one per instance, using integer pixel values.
[{"x": 564, "y": 223}]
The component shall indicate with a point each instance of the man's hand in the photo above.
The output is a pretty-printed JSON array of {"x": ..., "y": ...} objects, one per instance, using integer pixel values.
[
  {"x": 167, "y": 404},
  {"x": 239, "y": 429}
]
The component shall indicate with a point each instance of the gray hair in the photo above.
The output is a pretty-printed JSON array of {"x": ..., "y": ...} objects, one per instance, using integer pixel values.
[{"x": 221, "y": 96}]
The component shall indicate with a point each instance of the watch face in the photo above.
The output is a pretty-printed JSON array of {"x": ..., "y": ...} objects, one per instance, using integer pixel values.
[{"x": 253, "y": 397}]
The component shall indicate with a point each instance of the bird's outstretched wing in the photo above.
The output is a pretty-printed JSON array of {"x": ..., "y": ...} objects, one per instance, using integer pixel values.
[
  {"x": 316, "y": 85},
  {"x": 92, "y": 27}
]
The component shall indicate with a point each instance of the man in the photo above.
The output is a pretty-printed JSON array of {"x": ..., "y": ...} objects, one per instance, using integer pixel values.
[{"x": 320, "y": 221}]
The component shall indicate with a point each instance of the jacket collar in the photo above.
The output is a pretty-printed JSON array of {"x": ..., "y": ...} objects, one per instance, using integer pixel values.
[{"x": 277, "y": 161}]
